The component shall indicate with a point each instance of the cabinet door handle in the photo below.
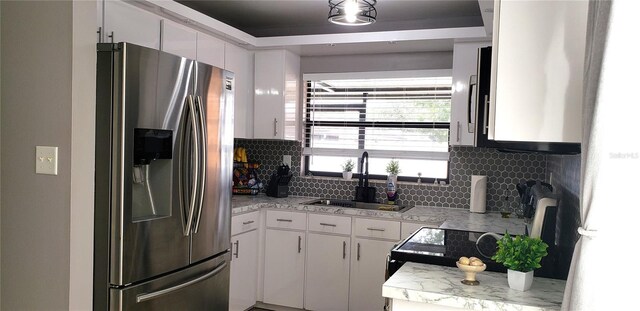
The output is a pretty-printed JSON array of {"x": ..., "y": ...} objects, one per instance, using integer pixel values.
[
  {"x": 275, "y": 127},
  {"x": 326, "y": 224},
  {"x": 344, "y": 249},
  {"x": 237, "y": 243},
  {"x": 376, "y": 229},
  {"x": 284, "y": 220},
  {"x": 247, "y": 222},
  {"x": 99, "y": 34},
  {"x": 458, "y": 132},
  {"x": 111, "y": 36},
  {"x": 473, "y": 84},
  {"x": 486, "y": 115},
  {"x": 299, "y": 244},
  {"x": 358, "y": 255}
]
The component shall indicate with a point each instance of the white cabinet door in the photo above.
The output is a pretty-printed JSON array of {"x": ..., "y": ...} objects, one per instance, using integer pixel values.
[
  {"x": 211, "y": 51},
  {"x": 240, "y": 62},
  {"x": 277, "y": 84},
  {"x": 269, "y": 98},
  {"x": 244, "y": 271},
  {"x": 284, "y": 268},
  {"x": 368, "y": 265},
  {"x": 464, "y": 90},
  {"x": 537, "y": 71},
  {"x": 126, "y": 23},
  {"x": 327, "y": 278},
  {"x": 178, "y": 39}
]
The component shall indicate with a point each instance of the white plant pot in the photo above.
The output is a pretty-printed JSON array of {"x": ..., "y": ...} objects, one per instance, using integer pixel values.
[
  {"x": 519, "y": 280},
  {"x": 347, "y": 175}
]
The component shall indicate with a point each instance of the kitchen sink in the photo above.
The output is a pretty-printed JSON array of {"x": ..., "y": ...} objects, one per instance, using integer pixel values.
[{"x": 360, "y": 205}]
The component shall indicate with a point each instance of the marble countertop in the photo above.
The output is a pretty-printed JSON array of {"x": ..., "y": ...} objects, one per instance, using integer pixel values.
[
  {"x": 441, "y": 285},
  {"x": 442, "y": 217}
]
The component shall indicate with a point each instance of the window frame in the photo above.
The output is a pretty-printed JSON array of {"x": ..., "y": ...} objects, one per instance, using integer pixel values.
[{"x": 361, "y": 109}]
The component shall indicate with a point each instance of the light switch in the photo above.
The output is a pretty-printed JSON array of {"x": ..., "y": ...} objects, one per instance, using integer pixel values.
[{"x": 47, "y": 160}]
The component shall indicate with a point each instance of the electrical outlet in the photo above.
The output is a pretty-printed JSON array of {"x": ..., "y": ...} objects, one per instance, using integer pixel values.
[
  {"x": 286, "y": 160},
  {"x": 46, "y": 160}
]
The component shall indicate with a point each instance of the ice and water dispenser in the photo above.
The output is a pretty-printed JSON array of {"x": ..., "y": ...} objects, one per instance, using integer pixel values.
[{"x": 152, "y": 173}]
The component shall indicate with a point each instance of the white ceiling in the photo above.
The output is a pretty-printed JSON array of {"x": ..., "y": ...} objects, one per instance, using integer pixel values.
[{"x": 402, "y": 26}]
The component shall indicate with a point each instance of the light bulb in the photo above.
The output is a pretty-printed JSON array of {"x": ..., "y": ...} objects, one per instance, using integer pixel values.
[
  {"x": 350, "y": 18},
  {"x": 351, "y": 8}
]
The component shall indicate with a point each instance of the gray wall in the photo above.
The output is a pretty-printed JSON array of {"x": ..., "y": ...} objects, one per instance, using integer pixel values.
[
  {"x": 40, "y": 106},
  {"x": 36, "y": 55},
  {"x": 376, "y": 62}
]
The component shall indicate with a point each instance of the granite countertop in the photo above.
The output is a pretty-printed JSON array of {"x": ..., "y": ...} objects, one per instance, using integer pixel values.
[
  {"x": 440, "y": 285},
  {"x": 442, "y": 217}
]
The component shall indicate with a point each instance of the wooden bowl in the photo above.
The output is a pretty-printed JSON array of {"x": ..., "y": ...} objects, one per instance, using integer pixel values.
[{"x": 470, "y": 273}]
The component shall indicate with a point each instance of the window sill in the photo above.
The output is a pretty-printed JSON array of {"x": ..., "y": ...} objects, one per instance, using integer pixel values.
[{"x": 372, "y": 181}]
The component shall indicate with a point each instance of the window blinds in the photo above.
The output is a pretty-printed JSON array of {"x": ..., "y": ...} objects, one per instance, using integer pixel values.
[{"x": 405, "y": 118}]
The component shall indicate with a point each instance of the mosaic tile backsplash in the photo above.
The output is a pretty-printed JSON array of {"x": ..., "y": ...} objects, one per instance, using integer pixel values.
[
  {"x": 503, "y": 170},
  {"x": 564, "y": 173}
]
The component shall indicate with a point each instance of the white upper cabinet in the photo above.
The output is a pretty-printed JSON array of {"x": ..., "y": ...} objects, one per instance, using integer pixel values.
[
  {"x": 464, "y": 90},
  {"x": 240, "y": 62},
  {"x": 211, "y": 50},
  {"x": 178, "y": 39},
  {"x": 537, "y": 71},
  {"x": 126, "y": 23},
  {"x": 276, "y": 93}
]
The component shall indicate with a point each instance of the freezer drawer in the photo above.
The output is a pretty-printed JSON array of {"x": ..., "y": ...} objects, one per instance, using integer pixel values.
[{"x": 201, "y": 287}]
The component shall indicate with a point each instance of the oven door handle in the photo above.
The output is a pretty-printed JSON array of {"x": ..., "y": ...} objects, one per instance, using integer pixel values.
[{"x": 495, "y": 235}]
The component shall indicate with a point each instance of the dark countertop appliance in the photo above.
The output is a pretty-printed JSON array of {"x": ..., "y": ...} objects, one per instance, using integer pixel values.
[
  {"x": 444, "y": 247},
  {"x": 279, "y": 183}
]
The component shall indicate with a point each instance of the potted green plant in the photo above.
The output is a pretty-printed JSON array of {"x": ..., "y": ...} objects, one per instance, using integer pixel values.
[
  {"x": 393, "y": 167},
  {"x": 520, "y": 255},
  {"x": 347, "y": 168}
]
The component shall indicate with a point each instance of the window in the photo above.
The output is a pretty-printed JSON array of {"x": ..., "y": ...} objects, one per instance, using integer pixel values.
[{"x": 402, "y": 118}]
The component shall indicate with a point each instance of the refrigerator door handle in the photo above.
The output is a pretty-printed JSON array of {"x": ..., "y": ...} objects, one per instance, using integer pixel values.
[
  {"x": 196, "y": 167},
  {"x": 203, "y": 158},
  {"x": 162, "y": 292}
]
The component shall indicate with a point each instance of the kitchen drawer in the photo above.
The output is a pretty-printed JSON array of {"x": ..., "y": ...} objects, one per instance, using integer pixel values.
[
  {"x": 330, "y": 224},
  {"x": 244, "y": 222},
  {"x": 374, "y": 228},
  {"x": 286, "y": 220}
]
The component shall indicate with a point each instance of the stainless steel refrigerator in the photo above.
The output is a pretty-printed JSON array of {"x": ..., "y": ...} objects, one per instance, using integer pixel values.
[{"x": 164, "y": 140}]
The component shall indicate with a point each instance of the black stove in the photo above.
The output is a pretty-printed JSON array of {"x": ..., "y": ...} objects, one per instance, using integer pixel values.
[{"x": 445, "y": 246}]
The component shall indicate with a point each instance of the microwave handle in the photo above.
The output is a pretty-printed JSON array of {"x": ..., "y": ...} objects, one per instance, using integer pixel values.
[{"x": 473, "y": 84}]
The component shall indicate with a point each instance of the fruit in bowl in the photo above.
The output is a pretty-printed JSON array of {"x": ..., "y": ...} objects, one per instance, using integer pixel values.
[{"x": 470, "y": 266}]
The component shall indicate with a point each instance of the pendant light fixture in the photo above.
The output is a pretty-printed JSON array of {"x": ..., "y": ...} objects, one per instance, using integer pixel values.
[{"x": 352, "y": 12}]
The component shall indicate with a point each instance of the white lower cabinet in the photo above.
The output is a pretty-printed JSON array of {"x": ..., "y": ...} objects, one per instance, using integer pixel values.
[
  {"x": 284, "y": 267},
  {"x": 244, "y": 271},
  {"x": 367, "y": 273},
  {"x": 372, "y": 241},
  {"x": 327, "y": 277}
]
